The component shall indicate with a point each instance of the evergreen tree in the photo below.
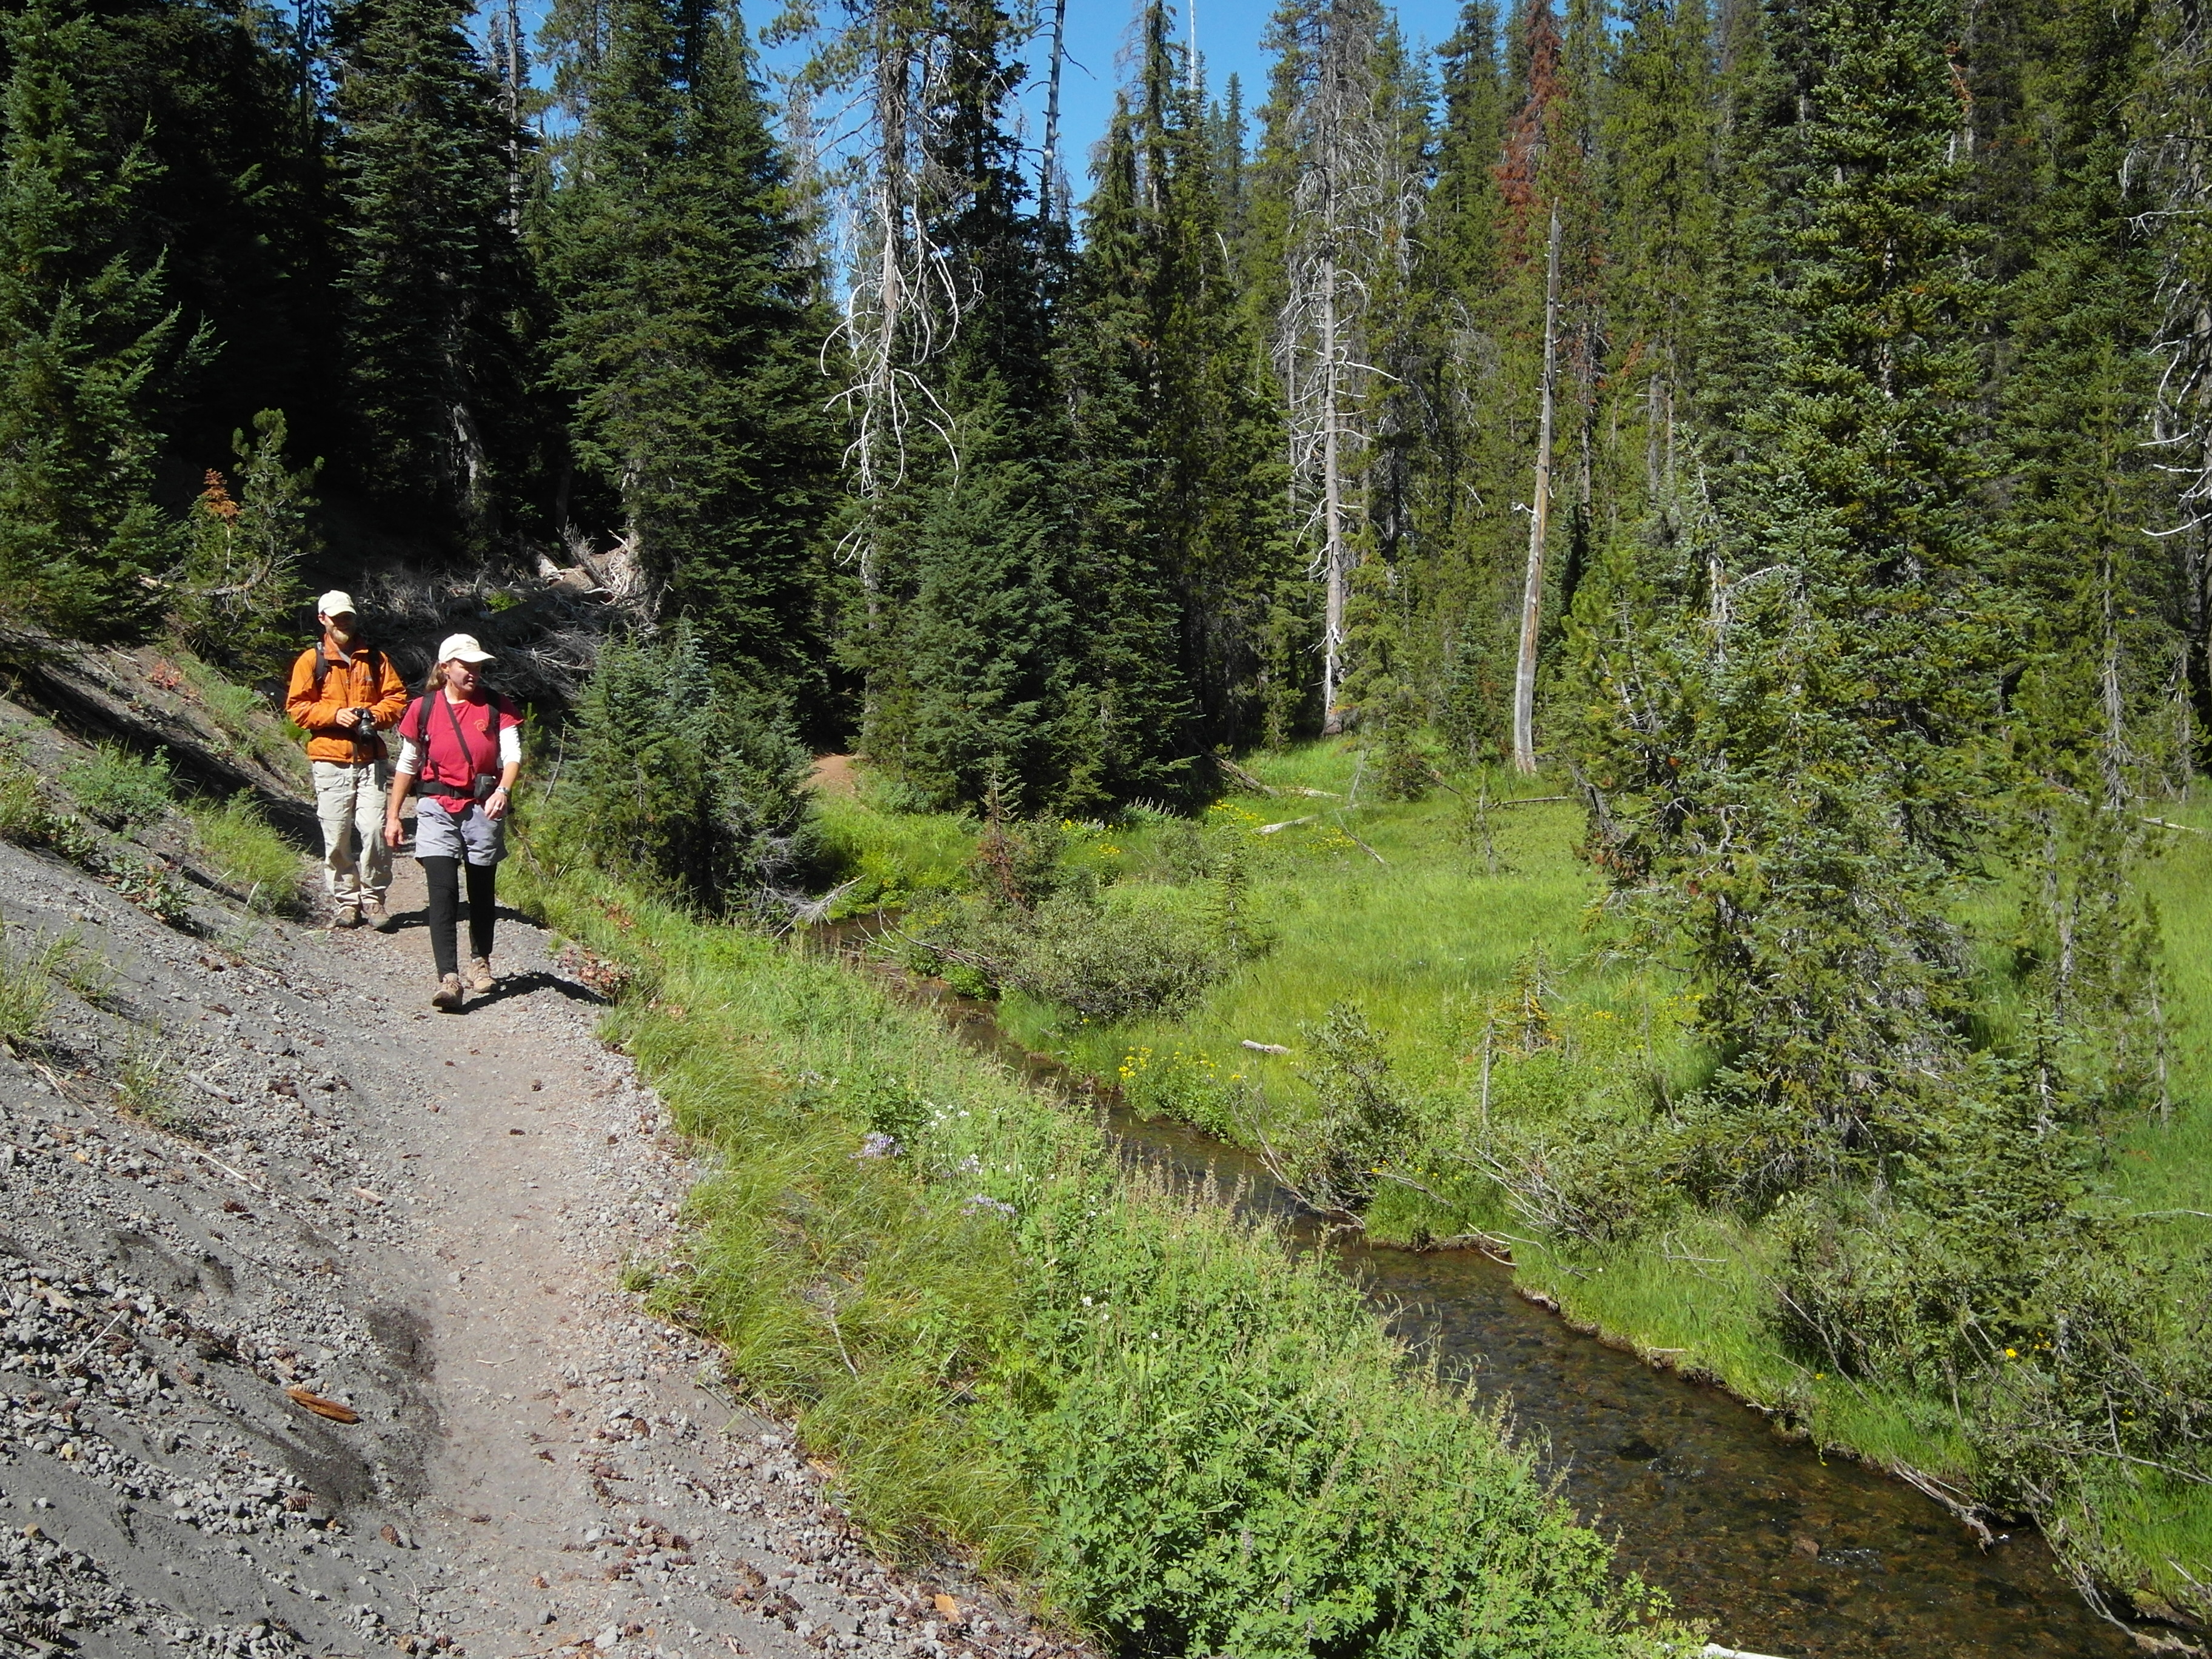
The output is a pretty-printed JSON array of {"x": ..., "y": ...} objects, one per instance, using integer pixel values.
[
  {"x": 1182, "y": 490},
  {"x": 84, "y": 331},
  {"x": 236, "y": 597},
  {"x": 686, "y": 336},
  {"x": 205, "y": 97},
  {"x": 431, "y": 278},
  {"x": 1807, "y": 761},
  {"x": 977, "y": 664},
  {"x": 1473, "y": 416}
]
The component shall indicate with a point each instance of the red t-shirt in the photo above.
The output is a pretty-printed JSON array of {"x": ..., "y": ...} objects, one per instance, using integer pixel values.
[{"x": 452, "y": 760}]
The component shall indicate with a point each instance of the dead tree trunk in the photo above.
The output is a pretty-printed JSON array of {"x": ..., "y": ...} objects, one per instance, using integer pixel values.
[
  {"x": 1332, "y": 413},
  {"x": 1048, "y": 191},
  {"x": 1540, "y": 513}
]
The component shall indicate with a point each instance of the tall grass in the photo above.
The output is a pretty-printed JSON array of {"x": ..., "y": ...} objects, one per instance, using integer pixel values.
[
  {"x": 887, "y": 860},
  {"x": 1190, "y": 1440},
  {"x": 239, "y": 840},
  {"x": 250, "y": 721}
]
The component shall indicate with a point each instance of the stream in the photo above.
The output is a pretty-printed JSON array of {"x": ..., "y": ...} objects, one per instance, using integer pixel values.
[{"x": 1781, "y": 1551}]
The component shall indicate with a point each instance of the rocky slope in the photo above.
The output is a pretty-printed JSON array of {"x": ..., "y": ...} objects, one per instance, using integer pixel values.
[{"x": 310, "y": 1333}]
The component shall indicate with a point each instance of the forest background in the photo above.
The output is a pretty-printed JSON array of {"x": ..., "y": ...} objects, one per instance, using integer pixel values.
[{"x": 1786, "y": 424}]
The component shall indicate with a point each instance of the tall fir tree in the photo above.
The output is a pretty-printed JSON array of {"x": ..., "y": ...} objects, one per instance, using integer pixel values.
[
  {"x": 975, "y": 668},
  {"x": 431, "y": 279},
  {"x": 1472, "y": 397},
  {"x": 1801, "y": 761},
  {"x": 85, "y": 330},
  {"x": 1187, "y": 551},
  {"x": 685, "y": 337}
]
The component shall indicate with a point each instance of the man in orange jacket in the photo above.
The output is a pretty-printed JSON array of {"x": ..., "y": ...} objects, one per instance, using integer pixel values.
[{"x": 342, "y": 692}]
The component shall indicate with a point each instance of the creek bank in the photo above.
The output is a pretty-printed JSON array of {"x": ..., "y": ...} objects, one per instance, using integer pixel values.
[{"x": 1713, "y": 1498}]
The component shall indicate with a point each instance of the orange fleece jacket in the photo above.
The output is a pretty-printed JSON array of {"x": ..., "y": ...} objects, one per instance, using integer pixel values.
[{"x": 369, "y": 681}]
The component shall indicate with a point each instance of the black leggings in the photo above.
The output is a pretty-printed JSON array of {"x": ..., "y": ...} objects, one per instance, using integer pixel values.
[{"x": 446, "y": 905}]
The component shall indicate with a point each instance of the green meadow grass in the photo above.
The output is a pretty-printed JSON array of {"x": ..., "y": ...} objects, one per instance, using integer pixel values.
[{"x": 1399, "y": 909}]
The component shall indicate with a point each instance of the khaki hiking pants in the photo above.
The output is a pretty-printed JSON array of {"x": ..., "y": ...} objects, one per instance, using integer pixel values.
[{"x": 349, "y": 800}]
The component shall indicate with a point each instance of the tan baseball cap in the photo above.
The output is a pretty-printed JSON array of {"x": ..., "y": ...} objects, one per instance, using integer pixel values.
[
  {"x": 463, "y": 647},
  {"x": 336, "y": 603}
]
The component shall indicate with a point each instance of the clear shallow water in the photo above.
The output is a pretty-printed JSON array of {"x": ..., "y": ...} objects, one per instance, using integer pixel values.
[{"x": 1781, "y": 1551}]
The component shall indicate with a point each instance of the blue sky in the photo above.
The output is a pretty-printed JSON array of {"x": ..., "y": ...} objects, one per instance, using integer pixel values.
[{"x": 1099, "y": 33}]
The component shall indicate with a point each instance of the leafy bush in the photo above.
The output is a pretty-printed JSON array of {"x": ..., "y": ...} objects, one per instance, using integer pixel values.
[
  {"x": 1228, "y": 1458},
  {"x": 1189, "y": 1087},
  {"x": 1987, "y": 1271},
  {"x": 1108, "y": 962},
  {"x": 681, "y": 781},
  {"x": 1200, "y": 1442},
  {"x": 1361, "y": 1113},
  {"x": 151, "y": 886},
  {"x": 121, "y": 788}
]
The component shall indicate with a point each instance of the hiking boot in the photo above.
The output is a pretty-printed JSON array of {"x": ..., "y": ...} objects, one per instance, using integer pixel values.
[
  {"x": 480, "y": 975},
  {"x": 447, "y": 996},
  {"x": 348, "y": 915},
  {"x": 379, "y": 915}
]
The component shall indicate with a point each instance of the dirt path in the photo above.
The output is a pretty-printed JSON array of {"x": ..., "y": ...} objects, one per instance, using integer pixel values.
[{"x": 425, "y": 1216}]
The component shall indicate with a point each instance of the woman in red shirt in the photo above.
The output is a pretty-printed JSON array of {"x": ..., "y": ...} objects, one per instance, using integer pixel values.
[{"x": 464, "y": 746}]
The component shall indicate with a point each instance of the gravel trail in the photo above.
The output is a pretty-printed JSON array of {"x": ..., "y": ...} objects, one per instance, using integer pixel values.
[{"x": 249, "y": 1158}]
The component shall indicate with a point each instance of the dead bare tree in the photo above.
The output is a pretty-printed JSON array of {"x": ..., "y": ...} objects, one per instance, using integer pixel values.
[
  {"x": 1346, "y": 189},
  {"x": 880, "y": 69},
  {"x": 1540, "y": 515}
]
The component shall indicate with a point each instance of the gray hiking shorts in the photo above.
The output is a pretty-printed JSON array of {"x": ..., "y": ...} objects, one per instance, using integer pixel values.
[{"x": 470, "y": 834}]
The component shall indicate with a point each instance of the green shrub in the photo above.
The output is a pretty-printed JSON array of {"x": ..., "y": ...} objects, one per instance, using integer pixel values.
[
  {"x": 120, "y": 788},
  {"x": 151, "y": 886},
  {"x": 679, "y": 781},
  {"x": 1189, "y": 1087},
  {"x": 232, "y": 599},
  {"x": 1109, "y": 961},
  {"x": 1229, "y": 1457},
  {"x": 250, "y": 855}
]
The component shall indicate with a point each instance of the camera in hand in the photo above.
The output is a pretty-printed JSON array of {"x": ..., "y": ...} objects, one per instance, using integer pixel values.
[{"x": 364, "y": 726}]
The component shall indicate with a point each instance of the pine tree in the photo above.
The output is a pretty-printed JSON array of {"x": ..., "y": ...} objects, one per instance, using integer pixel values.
[
  {"x": 1807, "y": 759},
  {"x": 1466, "y": 469},
  {"x": 236, "y": 597},
  {"x": 206, "y": 97},
  {"x": 432, "y": 278},
  {"x": 1179, "y": 480},
  {"x": 686, "y": 336},
  {"x": 84, "y": 331},
  {"x": 1664, "y": 212},
  {"x": 975, "y": 654}
]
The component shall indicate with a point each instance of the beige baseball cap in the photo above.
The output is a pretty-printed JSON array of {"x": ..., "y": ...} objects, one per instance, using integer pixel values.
[
  {"x": 463, "y": 647},
  {"x": 336, "y": 603}
]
